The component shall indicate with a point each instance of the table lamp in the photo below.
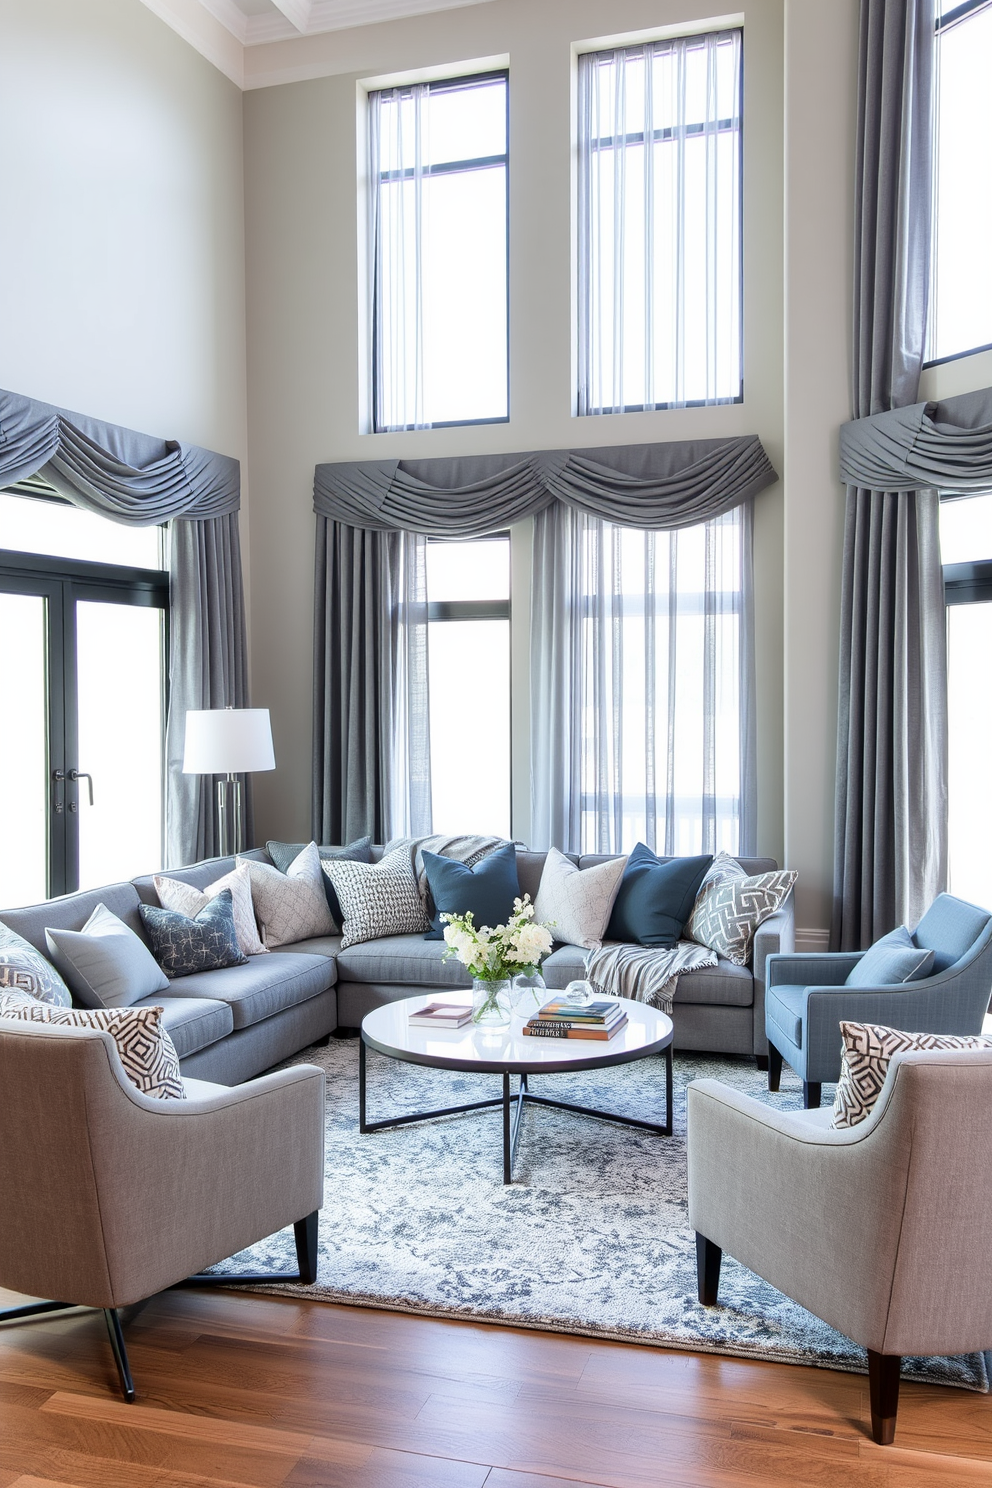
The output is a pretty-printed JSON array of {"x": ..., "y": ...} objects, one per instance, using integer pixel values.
[{"x": 228, "y": 742}]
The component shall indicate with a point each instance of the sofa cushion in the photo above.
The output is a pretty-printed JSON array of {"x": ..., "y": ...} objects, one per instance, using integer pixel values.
[
  {"x": 784, "y": 1007},
  {"x": 106, "y": 964},
  {"x": 319, "y": 945},
  {"x": 530, "y": 866},
  {"x": 192, "y": 1023},
  {"x": 71, "y": 912},
  {"x": 399, "y": 960},
  {"x": 263, "y": 986}
]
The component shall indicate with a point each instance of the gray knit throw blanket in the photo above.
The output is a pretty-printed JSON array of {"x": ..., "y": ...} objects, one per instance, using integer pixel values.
[{"x": 645, "y": 973}]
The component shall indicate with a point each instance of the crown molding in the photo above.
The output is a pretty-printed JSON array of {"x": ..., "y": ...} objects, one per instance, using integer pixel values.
[{"x": 207, "y": 26}]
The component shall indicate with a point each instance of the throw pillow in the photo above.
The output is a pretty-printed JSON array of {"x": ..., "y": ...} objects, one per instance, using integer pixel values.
[
  {"x": 377, "y": 898},
  {"x": 577, "y": 902},
  {"x": 290, "y": 906},
  {"x": 185, "y": 944},
  {"x": 487, "y": 890},
  {"x": 23, "y": 969},
  {"x": 655, "y": 899},
  {"x": 105, "y": 964},
  {"x": 146, "y": 1050},
  {"x": 174, "y": 894},
  {"x": 891, "y": 960},
  {"x": 359, "y": 851},
  {"x": 868, "y": 1048},
  {"x": 728, "y": 912}
]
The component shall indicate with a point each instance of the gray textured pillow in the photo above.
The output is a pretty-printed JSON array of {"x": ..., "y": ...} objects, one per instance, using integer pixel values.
[
  {"x": 729, "y": 908},
  {"x": 146, "y": 1051},
  {"x": 285, "y": 853},
  {"x": 377, "y": 898},
  {"x": 576, "y": 903},
  {"x": 868, "y": 1049},
  {"x": 290, "y": 906},
  {"x": 105, "y": 963},
  {"x": 23, "y": 969}
]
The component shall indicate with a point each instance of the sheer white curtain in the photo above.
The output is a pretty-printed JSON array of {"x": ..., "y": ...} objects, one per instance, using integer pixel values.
[
  {"x": 660, "y": 224},
  {"x": 642, "y": 678}
]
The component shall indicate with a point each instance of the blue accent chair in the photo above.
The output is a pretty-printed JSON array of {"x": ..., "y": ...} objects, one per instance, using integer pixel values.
[{"x": 806, "y": 999}]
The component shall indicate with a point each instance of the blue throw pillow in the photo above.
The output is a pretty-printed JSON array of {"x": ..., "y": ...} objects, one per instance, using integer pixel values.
[
  {"x": 488, "y": 889},
  {"x": 284, "y": 854},
  {"x": 182, "y": 946},
  {"x": 892, "y": 960},
  {"x": 655, "y": 898}
]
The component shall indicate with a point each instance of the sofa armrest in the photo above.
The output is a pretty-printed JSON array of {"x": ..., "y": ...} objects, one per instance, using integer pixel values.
[
  {"x": 778, "y": 933},
  {"x": 812, "y": 968}
]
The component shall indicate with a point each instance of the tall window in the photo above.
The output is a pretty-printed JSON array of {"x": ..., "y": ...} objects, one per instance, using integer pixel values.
[
  {"x": 83, "y": 614},
  {"x": 966, "y": 553},
  {"x": 439, "y": 253},
  {"x": 961, "y": 284},
  {"x": 660, "y": 224},
  {"x": 468, "y": 589}
]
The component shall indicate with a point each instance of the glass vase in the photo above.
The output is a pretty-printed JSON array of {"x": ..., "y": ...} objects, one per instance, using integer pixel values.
[
  {"x": 528, "y": 993},
  {"x": 491, "y": 1003}
]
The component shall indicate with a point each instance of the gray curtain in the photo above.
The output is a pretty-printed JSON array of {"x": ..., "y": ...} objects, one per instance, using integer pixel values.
[
  {"x": 890, "y": 849},
  {"x": 371, "y": 748},
  {"x": 136, "y": 479},
  {"x": 946, "y": 445},
  {"x": 642, "y": 651}
]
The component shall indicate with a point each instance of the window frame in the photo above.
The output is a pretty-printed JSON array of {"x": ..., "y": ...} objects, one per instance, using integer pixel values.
[{"x": 376, "y": 178}]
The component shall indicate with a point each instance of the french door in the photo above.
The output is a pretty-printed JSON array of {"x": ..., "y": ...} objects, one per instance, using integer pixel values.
[{"x": 82, "y": 655}]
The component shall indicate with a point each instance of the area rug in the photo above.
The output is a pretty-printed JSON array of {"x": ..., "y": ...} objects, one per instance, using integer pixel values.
[{"x": 591, "y": 1238}]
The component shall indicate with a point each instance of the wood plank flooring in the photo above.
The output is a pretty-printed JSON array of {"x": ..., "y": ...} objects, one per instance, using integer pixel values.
[{"x": 242, "y": 1391}]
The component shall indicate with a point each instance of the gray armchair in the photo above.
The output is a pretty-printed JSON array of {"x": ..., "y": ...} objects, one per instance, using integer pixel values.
[
  {"x": 109, "y": 1195},
  {"x": 806, "y": 999},
  {"x": 880, "y": 1229}
]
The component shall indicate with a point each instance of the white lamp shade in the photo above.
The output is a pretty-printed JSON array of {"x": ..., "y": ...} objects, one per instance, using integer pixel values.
[{"x": 228, "y": 741}]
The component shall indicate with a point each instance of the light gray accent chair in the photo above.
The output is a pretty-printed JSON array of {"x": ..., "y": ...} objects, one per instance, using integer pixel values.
[
  {"x": 880, "y": 1229},
  {"x": 110, "y": 1195},
  {"x": 806, "y": 999}
]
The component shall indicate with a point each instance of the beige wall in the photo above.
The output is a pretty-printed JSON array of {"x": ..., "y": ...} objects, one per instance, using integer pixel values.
[
  {"x": 305, "y": 317},
  {"x": 121, "y": 223}
]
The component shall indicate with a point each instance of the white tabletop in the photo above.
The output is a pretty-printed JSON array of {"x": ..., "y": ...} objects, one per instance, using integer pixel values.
[{"x": 388, "y": 1029}]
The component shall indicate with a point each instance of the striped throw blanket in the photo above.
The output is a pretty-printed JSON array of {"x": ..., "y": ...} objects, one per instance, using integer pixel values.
[{"x": 645, "y": 973}]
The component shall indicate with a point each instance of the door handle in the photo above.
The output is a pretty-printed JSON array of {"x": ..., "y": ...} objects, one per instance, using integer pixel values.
[
  {"x": 58, "y": 776},
  {"x": 82, "y": 775}
]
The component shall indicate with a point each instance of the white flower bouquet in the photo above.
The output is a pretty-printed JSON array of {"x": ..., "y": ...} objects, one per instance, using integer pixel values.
[{"x": 496, "y": 954}]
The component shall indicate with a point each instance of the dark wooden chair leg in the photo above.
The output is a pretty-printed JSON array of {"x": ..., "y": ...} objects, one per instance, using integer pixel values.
[
  {"x": 305, "y": 1232},
  {"x": 120, "y": 1352},
  {"x": 774, "y": 1068},
  {"x": 883, "y": 1391},
  {"x": 761, "y": 1061},
  {"x": 812, "y": 1091},
  {"x": 708, "y": 1258}
]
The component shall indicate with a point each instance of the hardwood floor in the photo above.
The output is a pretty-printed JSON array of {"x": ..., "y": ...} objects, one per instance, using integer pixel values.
[{"x": 241, "y": 1391}]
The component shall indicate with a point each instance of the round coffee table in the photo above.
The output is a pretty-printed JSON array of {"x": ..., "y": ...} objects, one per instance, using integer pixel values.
[{"x": 508, "y": 1052}]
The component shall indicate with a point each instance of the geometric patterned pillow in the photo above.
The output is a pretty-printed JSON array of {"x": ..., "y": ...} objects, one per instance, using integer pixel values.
[
  {"x": 185, "y": 944},
  {"x": 868, "y": 1048},
  {"x": 377, "y": 898},
  {"x": 729, "y": 910},
  {"x": 174, "y": 894},
  {"x": 290, "y": 906},
  {"x": 23, "y": 969},
  {"x": 146, "y": 1051}
]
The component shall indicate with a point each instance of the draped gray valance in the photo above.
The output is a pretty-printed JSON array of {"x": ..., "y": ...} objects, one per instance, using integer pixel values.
[
  {"x": 666, "y": 485},
  {"x": 946, "y": 445},
  {"x": 115, "y": 472}
]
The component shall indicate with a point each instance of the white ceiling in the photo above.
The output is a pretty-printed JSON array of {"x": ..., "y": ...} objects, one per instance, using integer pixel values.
[{"x": 254, "y": 22}]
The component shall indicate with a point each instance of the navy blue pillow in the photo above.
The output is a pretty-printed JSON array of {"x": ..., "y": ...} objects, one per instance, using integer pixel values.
[
  {"x": 655, "y": 898},
  {"x": 182, "y": 946},
  {"x": 488, "y": 889}
]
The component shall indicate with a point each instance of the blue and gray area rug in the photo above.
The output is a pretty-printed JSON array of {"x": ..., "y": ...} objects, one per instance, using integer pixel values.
[{"x": 591, "y": 1237}]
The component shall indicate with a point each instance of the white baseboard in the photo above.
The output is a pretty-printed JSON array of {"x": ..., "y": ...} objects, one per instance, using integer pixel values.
[{"x": 812, "y": 939}]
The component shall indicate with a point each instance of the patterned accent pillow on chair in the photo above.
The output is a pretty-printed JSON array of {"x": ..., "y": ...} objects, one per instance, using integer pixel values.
[
  {"x": 183, "y": 945},
  {"x": 730, "y": 907},
  {"x": 23, "y": 969},
  {"x": 146, "y": 1051},
  {"x": 868, "y": 1048},
  {"x": 290, "y": 906},
  {"x": 174, "y": 894},
  {"x": 377, "y": 899}
]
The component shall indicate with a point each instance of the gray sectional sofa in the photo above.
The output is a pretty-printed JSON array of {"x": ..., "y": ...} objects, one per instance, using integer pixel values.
[{"x": 229, "y": 1025}]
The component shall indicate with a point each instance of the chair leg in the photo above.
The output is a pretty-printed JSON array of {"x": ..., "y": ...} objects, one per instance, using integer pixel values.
[
  {"x": 112, "y": 1319},
  {"x": 883, "y": 1391},
  {"x": 708, "y": 1258},
  {"x": 774, "y": 1069},
  {"x": 812, "y": 1091},
  {"x": 305, "y": 1232}
]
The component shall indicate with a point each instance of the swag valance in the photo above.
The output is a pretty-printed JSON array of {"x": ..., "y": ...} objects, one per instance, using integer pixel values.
[
  {"x": 945, "y": 445},
  {"x": 129, "y": 477},
  {"x": 666, "y": 485}
]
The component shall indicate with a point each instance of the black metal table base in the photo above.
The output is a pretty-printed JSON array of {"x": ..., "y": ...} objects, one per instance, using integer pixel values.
[{"x": 513, "y": 1110}]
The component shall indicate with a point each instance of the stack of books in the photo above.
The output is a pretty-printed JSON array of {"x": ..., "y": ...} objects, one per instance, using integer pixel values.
[
  {"x": 560, "y": 1019},
  {"x": 442, "y": 1015}
]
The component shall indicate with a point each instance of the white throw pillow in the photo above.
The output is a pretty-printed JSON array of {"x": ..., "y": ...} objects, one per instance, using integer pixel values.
[
  {"x": 290, "y": 906},
  {"x": 105, "y": 964},
  {"x": 377, "y": 898},
  {"x": 576, "y": 902},
  {"x": 868, "y": 1050},
  {"x": 146, "y": 1051},
  {"x": 183, "y": 897}
]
